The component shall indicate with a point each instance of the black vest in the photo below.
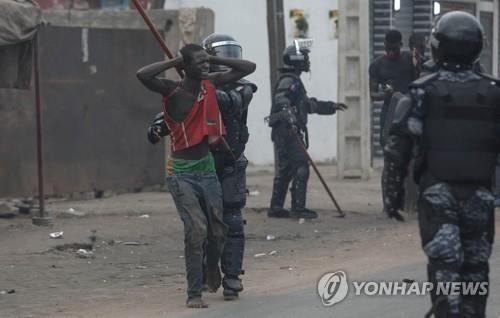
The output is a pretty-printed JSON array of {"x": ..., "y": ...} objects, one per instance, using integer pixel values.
[{"x": 460, "y": 130}]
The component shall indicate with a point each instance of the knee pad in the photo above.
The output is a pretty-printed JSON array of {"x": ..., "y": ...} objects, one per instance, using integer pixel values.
[
  {"x": 233, "y": 184},
  {"x": 232, "y": 256},
  {"x": 434, "y": 210},
  {"x": 444, "y": 248}
]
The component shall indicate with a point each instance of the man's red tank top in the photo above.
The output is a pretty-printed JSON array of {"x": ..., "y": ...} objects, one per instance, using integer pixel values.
[{"x": 204, "y": 119}]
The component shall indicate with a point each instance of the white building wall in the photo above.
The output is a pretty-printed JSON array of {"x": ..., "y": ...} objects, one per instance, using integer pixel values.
[{"x": 246, "y": 21}]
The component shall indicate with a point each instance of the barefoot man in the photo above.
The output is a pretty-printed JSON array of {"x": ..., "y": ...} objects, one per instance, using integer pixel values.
[{"x": 192, "y": 115}]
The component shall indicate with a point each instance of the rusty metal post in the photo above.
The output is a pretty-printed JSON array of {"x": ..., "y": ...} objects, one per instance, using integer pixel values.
[
  {"x": 277, "y": 43},
  {"x": 42, "y": 219}
]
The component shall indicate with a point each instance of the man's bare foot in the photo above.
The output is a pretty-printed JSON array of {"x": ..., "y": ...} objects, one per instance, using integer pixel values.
[
  {"x": 214, "y": 279},
  {"x": 196, "y": 302}
]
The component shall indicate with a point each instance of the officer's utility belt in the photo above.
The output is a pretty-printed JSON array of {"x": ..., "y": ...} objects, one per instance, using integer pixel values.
[{"x": 283, "y": 115}]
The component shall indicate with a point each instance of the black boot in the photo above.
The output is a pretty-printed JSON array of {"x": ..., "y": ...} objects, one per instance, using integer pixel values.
[
  {"x": 277, "y": 201},
  {"x": 277, "y": 212},
  {"x": 299, "y": 190},
  {"x": 303, "y": 213},
  {"x": 232, "y": 287},
  {"x": 280, "y": 187}
]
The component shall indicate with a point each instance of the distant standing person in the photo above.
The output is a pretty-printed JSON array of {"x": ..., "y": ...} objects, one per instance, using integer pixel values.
[{"x": 391, "y": 73}]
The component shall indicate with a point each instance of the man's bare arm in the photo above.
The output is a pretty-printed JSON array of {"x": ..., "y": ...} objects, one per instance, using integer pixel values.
[
  {"x": 238, "y": 70},
  {"x": 148, "y": 76}
]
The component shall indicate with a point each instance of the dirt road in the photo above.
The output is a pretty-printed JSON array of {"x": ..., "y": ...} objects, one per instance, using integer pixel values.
[{"x": 138, "y": 269}]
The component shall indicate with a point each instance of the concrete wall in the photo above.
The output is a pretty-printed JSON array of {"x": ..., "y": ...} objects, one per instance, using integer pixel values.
[
  {"x": 246, "y": 21},
  {"x": 95, "y": 111},
  {"x": 15, "y": 65},
  {"x": 97, "y": 4}
]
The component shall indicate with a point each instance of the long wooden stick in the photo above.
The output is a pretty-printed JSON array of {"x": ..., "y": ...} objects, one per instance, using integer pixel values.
[
  {"x": 163, "y": 45},
  {"x": 301, "y": 143},
  {"x": 156, "y": 34}
]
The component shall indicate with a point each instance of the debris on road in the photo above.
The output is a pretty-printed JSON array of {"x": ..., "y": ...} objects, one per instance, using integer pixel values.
[
  {"x": 141, "y": 267},
  {"x": 82, "y": 253},
  {"x": 274, "y": 252},
  {"x": 24, "y": 208},
  {"x": 302, "y": 221},
  {"x": 259, "y": 255},
  {"x": 144, "y": 216},
  {"x": 7, "y": 210},
  {"x": 270, "y": 237},
  {"x": 254, "y": 193},
  {"x": 5, "y": 292},
  {"x": 56, "y": 235},
  {"x": 131, "y": 243},
  {"x": 73, "y": 212}
]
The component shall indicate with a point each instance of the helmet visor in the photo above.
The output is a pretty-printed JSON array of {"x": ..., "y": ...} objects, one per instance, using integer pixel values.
[{"x": 231, "y": 51}]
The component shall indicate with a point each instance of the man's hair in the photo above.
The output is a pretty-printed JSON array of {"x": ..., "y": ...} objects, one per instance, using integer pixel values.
[
  {"x": 416, "y": 40},
  {"x": 188, "y": 50},
  {"x": 393, "y": 36}
]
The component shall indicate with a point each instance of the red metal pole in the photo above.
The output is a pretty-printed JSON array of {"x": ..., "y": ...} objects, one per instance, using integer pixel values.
[
  {"x": 39, "y": 130},
  {"x": 330, "y": 194},
  {"x": 42, "y": 218}
]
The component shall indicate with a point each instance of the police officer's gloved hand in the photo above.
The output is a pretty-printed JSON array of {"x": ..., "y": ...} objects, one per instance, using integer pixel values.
[
  {"x": 340, "y": 106},
  {"x": 154, "y": 134},
  {"x": 387, "y": 89}
]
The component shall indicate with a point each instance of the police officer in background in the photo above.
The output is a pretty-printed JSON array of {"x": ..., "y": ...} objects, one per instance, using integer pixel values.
[
  {"x": 288, "y": 119},
  {"x": 233, "y": 100},
  {"x": 453, "y": 117}
]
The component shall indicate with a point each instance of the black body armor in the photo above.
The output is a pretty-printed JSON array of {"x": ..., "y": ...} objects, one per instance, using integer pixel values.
[
  {"x": 290, "y": 99},
  {"x": 461, "y": 130}
]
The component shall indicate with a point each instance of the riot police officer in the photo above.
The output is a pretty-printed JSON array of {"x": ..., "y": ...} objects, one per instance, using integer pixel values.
[
  {"x": 233, "y": 100},
  {"x": 452, "y": 115},
  {"x": 288, "y": 119},
  {"x": 230, "y": 161}
]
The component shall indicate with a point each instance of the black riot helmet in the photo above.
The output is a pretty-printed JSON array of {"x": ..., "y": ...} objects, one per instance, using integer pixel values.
[
  {"x": 221, "y": 45},
  {"x": 456, "y": 40},
  {"x": 297, "y": 55}
]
